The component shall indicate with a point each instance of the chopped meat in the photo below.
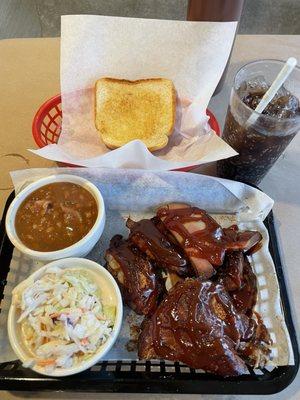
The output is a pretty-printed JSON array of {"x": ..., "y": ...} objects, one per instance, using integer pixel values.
[
  {"x": 197, "y": 324},
  {"x": 145, "y": 235},
  {"x": 140, "y": 284}
]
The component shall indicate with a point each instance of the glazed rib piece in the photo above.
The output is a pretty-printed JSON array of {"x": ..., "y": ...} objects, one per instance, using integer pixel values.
[
  {"x": 239, "y": 280},
  {"x": 161, "y": 227},
  {"x": 173, "y": 276},
  {"x": 202, "y": 238},
  {"x": 151, "y": 241},
  {"x": 244, "y": 298},
  {"x": 197, "y": 324},
  {"x": 140, "y": 284},
  {"x": 231, "y": 273},
  {"x": 241, "y": 240},
  {"x": 256, "y": 351}
]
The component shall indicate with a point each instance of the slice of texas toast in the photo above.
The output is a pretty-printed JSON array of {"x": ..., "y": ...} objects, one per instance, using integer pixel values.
[{"x": 127, "y": 110}]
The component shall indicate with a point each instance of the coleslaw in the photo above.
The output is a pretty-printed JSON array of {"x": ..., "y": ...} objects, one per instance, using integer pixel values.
[{"x": 63, "y": 320}]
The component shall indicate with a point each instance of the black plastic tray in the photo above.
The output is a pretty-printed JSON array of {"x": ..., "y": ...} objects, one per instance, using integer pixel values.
[{"x": 153, "y": 376}]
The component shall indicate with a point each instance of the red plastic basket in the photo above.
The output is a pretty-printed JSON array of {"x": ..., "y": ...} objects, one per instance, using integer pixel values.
[{"x": 46, "y": 124}]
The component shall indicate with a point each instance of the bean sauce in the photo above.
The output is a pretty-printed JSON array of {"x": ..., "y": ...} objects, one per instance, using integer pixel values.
[{"x": 55, "y": 216}]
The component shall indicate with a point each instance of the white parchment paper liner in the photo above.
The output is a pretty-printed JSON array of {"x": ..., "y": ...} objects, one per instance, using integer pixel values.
[
  {"x": 138, "y": 193},
  {"x": 192, "y": 54}
]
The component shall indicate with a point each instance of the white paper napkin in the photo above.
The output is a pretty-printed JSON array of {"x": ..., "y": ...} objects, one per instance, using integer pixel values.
[{"x": 192, "y": 54}]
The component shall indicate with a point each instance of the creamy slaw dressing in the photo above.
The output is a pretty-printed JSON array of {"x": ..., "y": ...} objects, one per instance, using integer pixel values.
[{"x": 66, "y": 315}]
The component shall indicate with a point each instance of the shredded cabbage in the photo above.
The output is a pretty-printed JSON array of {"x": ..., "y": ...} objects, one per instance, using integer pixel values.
[{"x": 63, "y": 319}]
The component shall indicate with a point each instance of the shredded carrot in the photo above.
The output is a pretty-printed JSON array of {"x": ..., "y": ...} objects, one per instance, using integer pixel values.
[
  {"x": 58, "y": 314},
  {"x": 47, "y": 361},
  {"x": 84, "y": 341}
]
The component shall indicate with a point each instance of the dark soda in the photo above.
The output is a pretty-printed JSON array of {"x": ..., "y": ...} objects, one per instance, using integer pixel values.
[{"x": 260, "y": 144}]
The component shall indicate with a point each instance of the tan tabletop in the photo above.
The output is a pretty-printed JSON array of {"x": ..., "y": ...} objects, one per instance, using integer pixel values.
[{"x": 29, "y": 74}]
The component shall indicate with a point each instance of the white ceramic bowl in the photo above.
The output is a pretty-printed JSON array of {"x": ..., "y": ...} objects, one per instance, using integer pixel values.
[
  {"x": 78, "y": 249},
  {"x": 111, "y": 295}
]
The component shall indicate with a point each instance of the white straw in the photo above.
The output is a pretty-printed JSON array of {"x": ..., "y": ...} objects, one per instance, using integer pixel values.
[{"x": 271, "y": 92}]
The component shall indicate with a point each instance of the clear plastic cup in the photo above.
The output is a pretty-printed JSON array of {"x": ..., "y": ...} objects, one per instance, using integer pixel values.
[{"x": 260, "y": 144}]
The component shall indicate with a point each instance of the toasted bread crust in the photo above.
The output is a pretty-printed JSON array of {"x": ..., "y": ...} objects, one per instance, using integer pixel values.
[{"x": 162, "y": 143}]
